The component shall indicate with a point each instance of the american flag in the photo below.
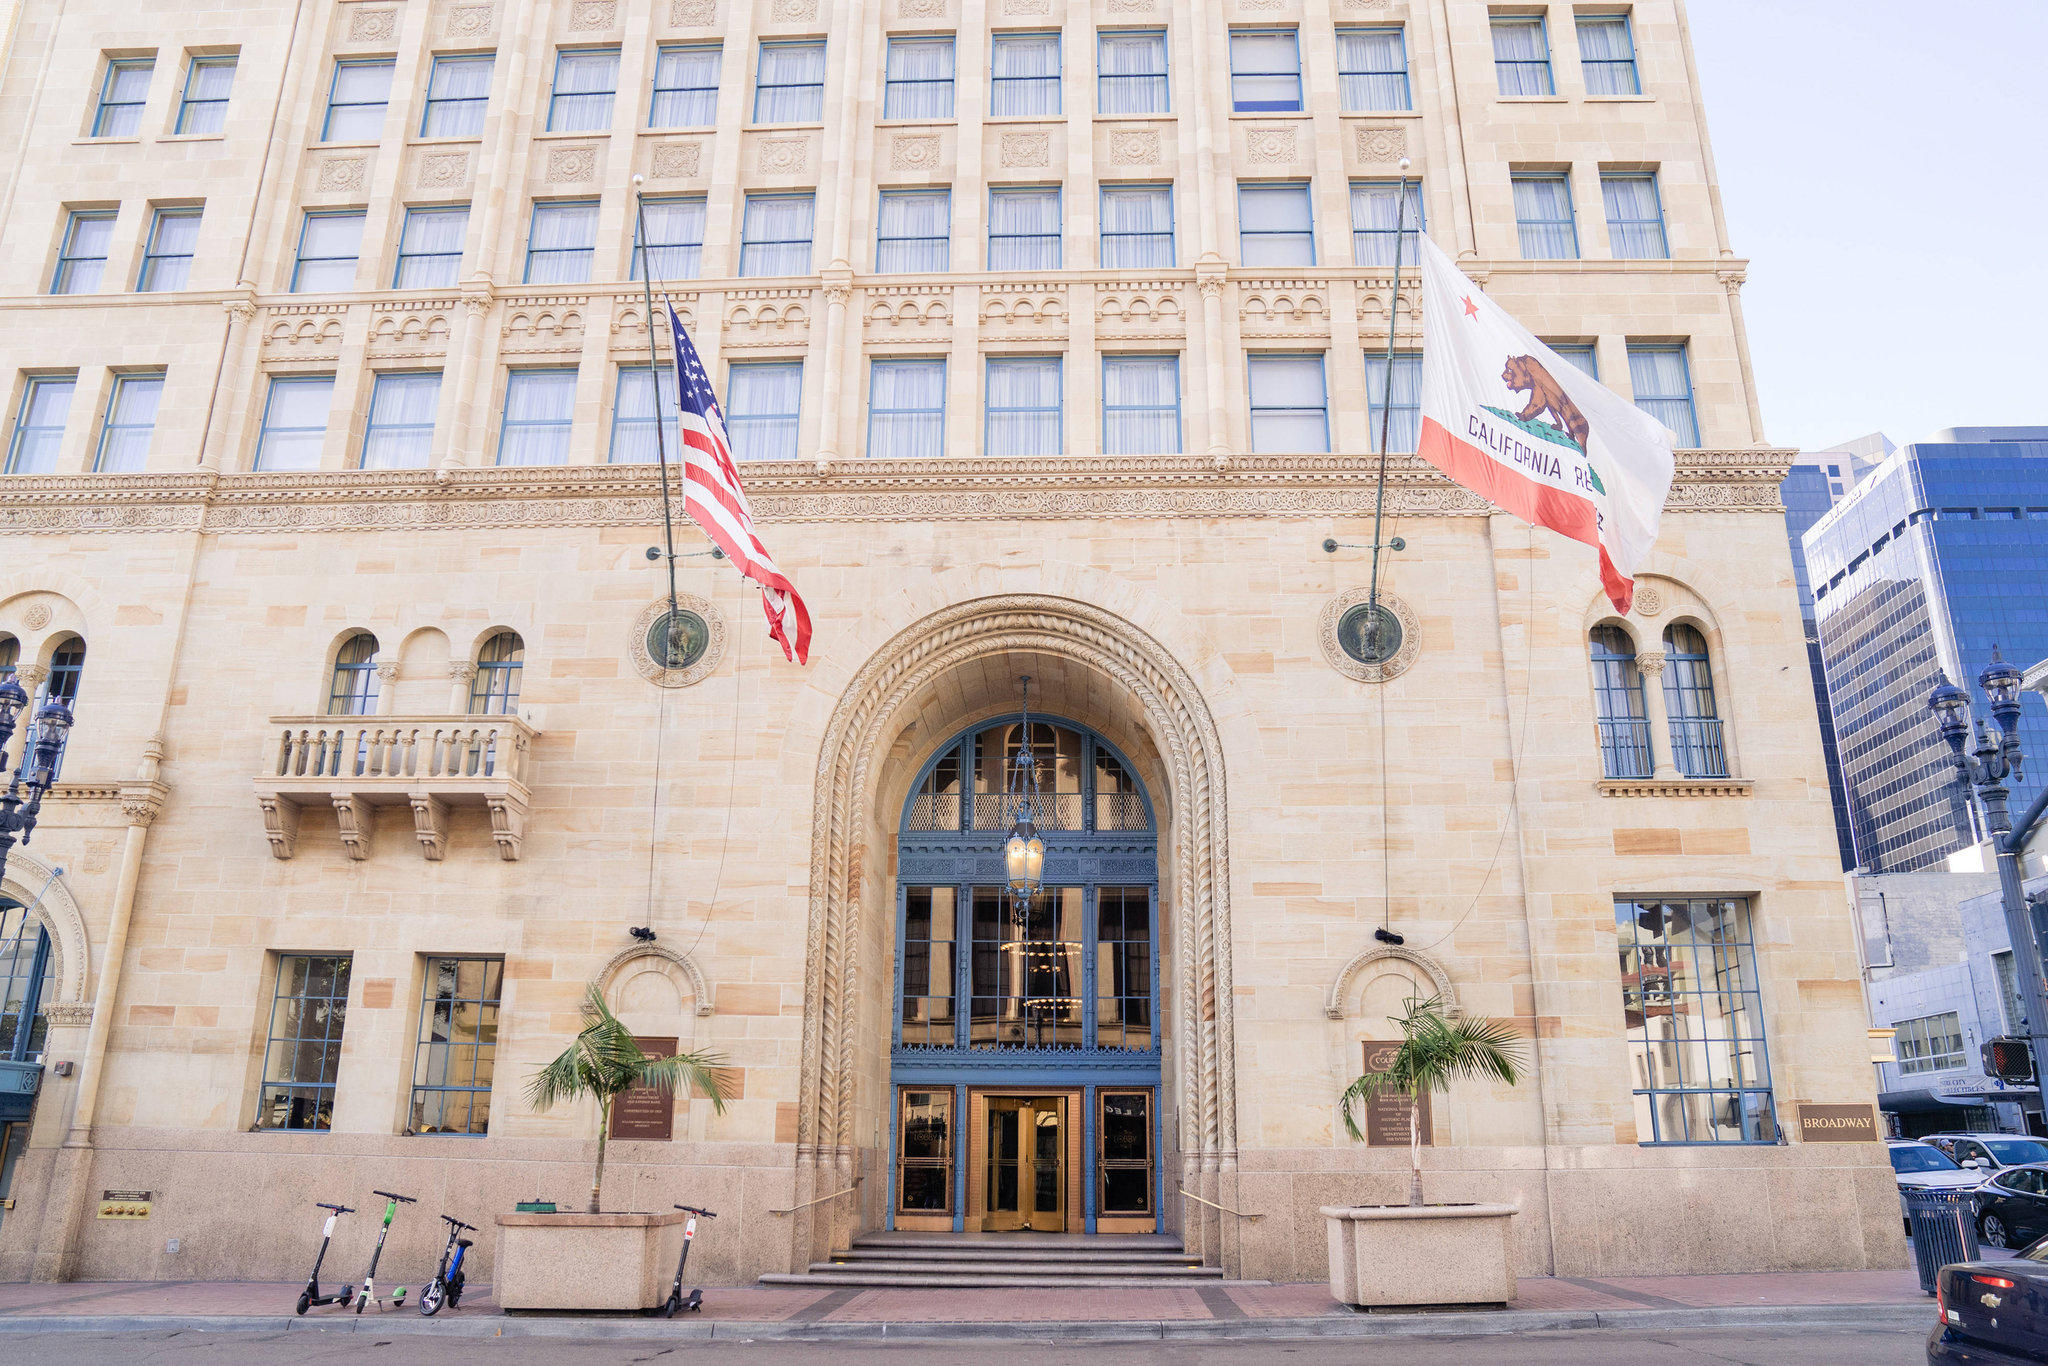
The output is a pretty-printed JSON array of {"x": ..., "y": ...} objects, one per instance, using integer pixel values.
[{"x": 715, "y": 501}]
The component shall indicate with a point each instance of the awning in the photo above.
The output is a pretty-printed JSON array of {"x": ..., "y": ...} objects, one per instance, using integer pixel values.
[{"x": 1920, "y": 1102}]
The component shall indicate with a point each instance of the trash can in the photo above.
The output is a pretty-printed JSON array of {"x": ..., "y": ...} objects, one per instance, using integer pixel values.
[{"x": 1944, "y": 1230}]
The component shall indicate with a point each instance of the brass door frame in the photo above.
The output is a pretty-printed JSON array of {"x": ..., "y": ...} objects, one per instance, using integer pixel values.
[{"x": 1032, "y": 1112}]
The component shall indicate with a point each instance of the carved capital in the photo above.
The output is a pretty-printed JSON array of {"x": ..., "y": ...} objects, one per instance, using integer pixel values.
[
  {"x": 142, "y": 802},
  {"x": 31, "y": 677},
  {"x": 280, "y": 824},
  {"x": 838, "y": 292},
  {"x": 1650, "y": 663},
  {"x": 387, "y": 670},
  {"x": 357, "y": 821},
  {"x": 1210, "y": 285},
  {"x": 430, "y": 824},
  {"x": 1732, "y": 280},
  {"x": 508, "y": 824},
  {"x": 240, "y": 310},
  {"x": 76, "y": 1014},
  {"x": 462, "y": 671}
]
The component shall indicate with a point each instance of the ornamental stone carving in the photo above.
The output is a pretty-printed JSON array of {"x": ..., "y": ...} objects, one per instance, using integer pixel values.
[
  {"x": 1328, "y": 635},
  {"x": 1134, "y": 147},
  {"x": 1439, "y": 979},
  {"x": 1381, "y": 144},
  {"x": 914, "y": 152},
  {"x": 676, "y": 160},
  {"x": 700, "y": 988},
  {"x": 342, "y": 175},
  {"x": 1027, "y": 6},
  {"x": 921, "y": 9},
  {"x": 1365, "y": 5},
  {"x": 784, "y": 156},
  {"x": 26, "y": 875},
  {"x": 1650, "y": 663},
  {"x": 794, "y": 11},
  {"x": 37, "y": 616},
  {"x": 706, "y": 664},
  {"x": 443, "y": 171},
  {"x": 593, "y": 16},
  {"x": 692, "y": 13},
  {"x": 1648, "y": 601},
  {"x": 469, "y": 21},
  {"x": 1271, "y": 145},
  {"x": 366, "y": 25},
  {"x": 570, "y": 165},
  {"x": 1130, "y": 6},
  {"x": 1025, "y": 149}
]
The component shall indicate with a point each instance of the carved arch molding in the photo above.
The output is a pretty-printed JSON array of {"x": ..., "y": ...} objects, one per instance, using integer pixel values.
[
  {"x": 1428, "y": 966},
  {"x": 856, "y": 739},
  {"x": 613, "y": 971},
  {"x": 28, "y": 875}
]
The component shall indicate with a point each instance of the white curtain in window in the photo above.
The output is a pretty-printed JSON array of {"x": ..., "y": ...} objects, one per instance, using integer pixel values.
[
  {"x": 1581, "y": 358},
  {"x": 207, "y": 87},
  {"x": 401, "y": 430},
  {"x": 685, "y": 88},
  {"x": 1141, "y": 405},
  {"x": 355, "y": 110},
  {"x": 1024, "y": 71},
  {"x": 775, "y": 236},
  {"x": 1521, "y": 57},
  {"x": 1276, "y": 225},
  {"x": 584, "y": 85},
  {"x": 85, "y": 254},
  {"x": 1289, "y": 404},
  {"x": 1373, "y": 67},
  {"x": 39, "y": 431},
  {"x": 1137, "y": 226},
  {"x": 912, "y": 233},
  {"x": 633, "y": 414},
  {"x": 1663, "y": 389},
  {"x": 1375, "y": 211},
  {"x": 1635, "y": 221},
  {"x": 564, "y": 240},
  {"x": 1265, "y": 71},
  {"x": 1543, "y": 209},
  {"x": 790, "y": 86},
  {"x": 675, "y": 228},
  {"x": 457, "y": 94},
  {"x": 1404, "y": 418},
  {"x": 539, "y": 405},
  {"x": 295, "y": 423},
  {"x": 327, "y": 252},
  {"x": 1024, "y": 230},
  {"x": 920, "y": 84},
  {"x": 430, "y": 252},
  {"x": 131, "y": 419},
  {"x": 1132, "y": 67},
  {"x": 762, "y": 402},
  {"x": 1608, "y": 55},
  {"x": 1024, "y": 406},
  {"x": 168, "y": 263},
  {"x": 906, "y": 409}
]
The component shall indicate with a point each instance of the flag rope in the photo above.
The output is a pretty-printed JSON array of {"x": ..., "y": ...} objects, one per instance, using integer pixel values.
[{"x": 668, "y": 520}]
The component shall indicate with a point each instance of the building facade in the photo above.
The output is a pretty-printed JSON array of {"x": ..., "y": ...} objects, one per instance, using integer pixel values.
[
  {"x": 1052, "y": 333},
  {"x": 1811, "y": 487},
  {"x": 1925, "y": 567}
]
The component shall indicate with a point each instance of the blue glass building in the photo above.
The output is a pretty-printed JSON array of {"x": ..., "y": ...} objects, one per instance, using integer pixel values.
[
  {"x": 1808, "y": 492},
  {"x": 1937, "y": 555}
]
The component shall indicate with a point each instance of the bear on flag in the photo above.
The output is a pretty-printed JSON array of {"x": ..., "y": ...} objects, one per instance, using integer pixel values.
[{"x": 1525, "y": 429}]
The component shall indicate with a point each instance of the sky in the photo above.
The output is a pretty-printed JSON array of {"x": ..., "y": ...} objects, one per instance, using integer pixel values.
[{"x": 1885, "y": 170}]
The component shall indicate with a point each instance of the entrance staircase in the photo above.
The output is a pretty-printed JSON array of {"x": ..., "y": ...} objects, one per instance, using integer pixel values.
[{"x": 1007, "y": 1261}]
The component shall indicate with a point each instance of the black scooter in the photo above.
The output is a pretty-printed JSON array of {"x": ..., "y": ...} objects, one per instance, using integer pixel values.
[
  {"x": 311, "y": 1295},
  {"x": 695, "y": 1303},
  {"x": 369, "y": 1290},
  {"x": 446, "y": 1287}
]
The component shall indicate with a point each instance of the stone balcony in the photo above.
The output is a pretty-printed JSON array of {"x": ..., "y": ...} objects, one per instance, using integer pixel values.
[{"x": 359, "y": 765}]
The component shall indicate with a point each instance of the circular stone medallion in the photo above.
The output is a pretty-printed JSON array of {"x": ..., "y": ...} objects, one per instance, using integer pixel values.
[
  {"x": 1369, "y": 646},
  {"x": 676, "y": 651}
]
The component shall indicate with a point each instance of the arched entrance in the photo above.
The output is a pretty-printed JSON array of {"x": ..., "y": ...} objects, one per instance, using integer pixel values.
[{"x": 1025, "y": 1053}]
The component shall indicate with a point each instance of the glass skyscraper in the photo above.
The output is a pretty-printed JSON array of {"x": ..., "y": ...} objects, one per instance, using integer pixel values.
[
  {"x": 1809, "y": 490},
  {"x": 1936, "y": 556}
]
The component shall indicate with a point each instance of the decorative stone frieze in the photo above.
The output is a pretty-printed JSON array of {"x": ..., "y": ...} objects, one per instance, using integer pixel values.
[
  {"x": 1675, "y": 787},
  {"x": 342, "y": 175},
  {"x": 367, "y": 24},
  {"x": 676, "y": 160},
  {"x": 692, "y": 13},
  {"x": 593, "y": 16},
  {"x": 572, "y": 165},
  {"x": 914, "y": 152},
  {"x": 442, "y": 171},
  {"x": 1024, "y": 150},
  {"x": 1376, "y": 144},
  {"x": 471, "y": 21},
  {"x": 1275, "y": 145},
  {"x": 784, "y": 156},
  {"x": 793, "y": 11},
  {"x": 1135, "y": 147}
]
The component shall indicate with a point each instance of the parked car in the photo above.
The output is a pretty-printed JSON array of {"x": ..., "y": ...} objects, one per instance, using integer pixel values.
[
  {"x": 1992, "y": 1313},
  {"x": 1920, "y": 1166},
  {"x": 1993, "y": 1150},
  {"x": 2012, "y": 1206}
]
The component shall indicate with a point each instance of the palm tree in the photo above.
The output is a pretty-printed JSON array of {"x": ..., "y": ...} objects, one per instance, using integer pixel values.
[
  {"x": 1435, "y": 1051},
  {"x": 604, "y": 1062}
]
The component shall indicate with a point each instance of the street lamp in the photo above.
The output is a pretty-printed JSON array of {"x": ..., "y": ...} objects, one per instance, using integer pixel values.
[
  {"x": 1995, "y": 757},
  {"x": 22, "y": 802}
]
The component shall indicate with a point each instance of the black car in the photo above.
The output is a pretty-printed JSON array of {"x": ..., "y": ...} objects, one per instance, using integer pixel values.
[
  {"x": 2012, "y": 1206},
  {"x": 1992, "y": 1313}
]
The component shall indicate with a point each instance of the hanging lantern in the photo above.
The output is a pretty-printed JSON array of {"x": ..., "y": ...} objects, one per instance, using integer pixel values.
[{"x": 1024, "y": 851}]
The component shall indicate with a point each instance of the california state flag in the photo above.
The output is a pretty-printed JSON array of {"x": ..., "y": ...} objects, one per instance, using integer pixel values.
[{"x": 1533, "y": 434}]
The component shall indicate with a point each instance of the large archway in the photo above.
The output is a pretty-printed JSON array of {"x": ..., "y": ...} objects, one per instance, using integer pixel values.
[{"x": 946, "y": 671}]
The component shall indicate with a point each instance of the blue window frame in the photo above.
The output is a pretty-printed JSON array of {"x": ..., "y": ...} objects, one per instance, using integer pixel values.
[
  {"x": 1635, "y": 216},
  {"x": 775, "y": 234},
  {"x": 1696, "y": 747},
  {"x": 561, "y": 245},
  {"x": 82, "y": 255},
  {"x": 28, "y": 984},
  {"x": 1275, "y": 225},
  {"x": 763, "y": 407},
  {"x": 130, "y": 422},
  {"x": 907, "y": 408},
  {"x": 1543, "y": 216},
  {"x": 642, "y": 395},
  {"x": 540, "y": 412},
  {"x": 303, "y": 1056},
  {"x": 1378, "y": 215},
  {"x": 400, "y": 432},
  {"x": 167, "y": 256},
  {"x": 458, "y": 1044},
  {"x": 1403, "y": 415},
  {"x": 1582, "y": 356},
  {"x": 357, "y": 99},
  {"x": 1021, "y": 415},
  {"x": 1131, "y": 72},
  {"x": 913, "y": 231},
  {"x": 1141, "y": 405},
  {"x": 686, "y": 86},
  {"x": 675, "y": 232},
  {"x": 1290, "y": 404},
  {"x": 458, "y": 95},
  {"x": 1521, "y": 55},
  {"x": 1024, "y": 227},
  {"x": 789, "y": 83},
  {"x": 203, "y": 108},
  {"x": 1620, "y": 714},
  {"x": 67, "y": 671},
  {"x": 1137, "y": 227},
  {"x": 329, "y": 245},
  {"x": 1265, "y": 71},
  {"x": 295, "y": 417},
  {"x": 500, "y": 665},
  {"x": 1372, "y": 70},
  {"x": 1661, "y": 378},
  {"x": 353, "y": 689},
  {"x": 1024, "y": 75},
  {"x": 39, "y": 423},
  {"x": 1607, "y": 52},
  {"x": 586, "y": 84},
  {"x": 122, "y": 95},
  {"x": 430, "y": 247},
  {"x": 918, "y": 78}
]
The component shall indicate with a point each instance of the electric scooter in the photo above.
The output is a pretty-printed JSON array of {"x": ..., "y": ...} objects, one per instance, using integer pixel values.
[
  {"x": 311, "y": 1295},
  {"x": 369, "y": 1290},
  {"x": 695, "y": 1303},
  {"x": 446, "y": 1287}
]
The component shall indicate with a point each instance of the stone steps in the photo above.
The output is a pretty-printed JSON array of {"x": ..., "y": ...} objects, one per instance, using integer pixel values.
[{"x": 998, "y": 1261}]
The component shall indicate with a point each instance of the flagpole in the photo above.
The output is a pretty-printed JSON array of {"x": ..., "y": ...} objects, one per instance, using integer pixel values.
[
  {"x": 668, "y": 521},
  {"x": 1379, "y": 503}
]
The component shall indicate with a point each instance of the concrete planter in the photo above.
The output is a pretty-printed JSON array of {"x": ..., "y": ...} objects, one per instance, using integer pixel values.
[
  {"x": 586, "y": 1261},
  {"x": 1426, "y": 1254}
]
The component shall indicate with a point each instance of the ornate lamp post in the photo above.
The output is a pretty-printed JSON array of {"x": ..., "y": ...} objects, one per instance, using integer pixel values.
[
  {"x": 22, "y": 802},
  {"x": 1995, "y": 757}
]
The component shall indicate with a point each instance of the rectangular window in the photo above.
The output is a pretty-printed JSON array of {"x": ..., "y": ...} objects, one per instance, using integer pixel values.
[
  {"x": 1662, "y": 380},
  {"x": 39, "y": 424},
  {"x": 122, "y": 93},
  {"x": 1275, "y": 226},
  {"x": 1024, "y": 75},
  {"x": 1024, "y": 228},
  {"x": 686, "y": 87},
  {"x": 540, "y": 408},
  {"x": 400, "y": 433},
  {"x": 329, "y": 244},
  {"x": 563, "y": 242},
  {"x": 1403, "y": 413},
  {"x": 1027, "y": 999},
  {"x": 1141, "y": 405},
  {"x": 1635, "y": 217},
  {"x": 763, "y": 401},
  {"x": 642, "y": 393},
  {"x": 1543, "y": 217},
  {"x": 1378, "y": 213},
  {"x": 1698, "y": 1059},
  {"x": 430, "y": 247},
  {"x": 204, "y": 106},
  {"x": 356, "y": 101},
  {"x": 586, "y": 82},
  {"x": 919, "y": 82},
  {"x": 1290, "y": 405},
  {"x": 2009, "y": 990},
  {"x": 1137, "y": 226},
  {"x": 82, "y": 256},
  {"x": 1607, "y": 50},
  {"x": 789, "y": 83},
  {"x": 458, "y": 1046},
  {"x": 907, "y": 409},
  {"x": 675, "y": 234},
  {"x": 1521, "y": 55},
  {"x": 1580, "y": 355},
  {"x": 303, "y": 1055},
  {"x": 167, "y": 257},
  {"x": 1372, "y": 70},
  {"x": 924, "y": 1150},
  {"x": 911, "y": 232},
  {"x": 1131, "y": 73},
  {"x": 295, "y": 422},
  {"x": 1265, "y": 72},
  {"x": 1125, "y": 1168},
  {"x": 929, "y": 926},
  {"x": 1932, "y": 1044},
  {"x": 130, "y": 421},
  {"x": 1022, "y": 410},
  {"x": 458, "y": 93},
  {"x": 775, "y": 234},
  {"x": 1123, "y": 968}
]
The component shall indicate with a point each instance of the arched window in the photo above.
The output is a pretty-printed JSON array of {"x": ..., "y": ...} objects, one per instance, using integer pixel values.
[
  {"x": 1619, "y": 706},
  {"x": 28, "y": 979},
  {"x": 10, "y": 657},
  {"x": 1689, "y": 700},
  {"x": 67, "y": 670},
  {"x": 495, "y": 689},
  {"x": 354, "y": 690}
]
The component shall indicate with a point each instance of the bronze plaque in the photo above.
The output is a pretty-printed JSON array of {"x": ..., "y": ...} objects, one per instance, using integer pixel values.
[
  {"x": 1838, "y": 1124},
  {"x": 645, "y": 1113},
  {"x": 1386, "y": 1118}
]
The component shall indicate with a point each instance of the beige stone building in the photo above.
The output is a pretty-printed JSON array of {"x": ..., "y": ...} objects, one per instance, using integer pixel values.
[{"x": 1054, "y": 334}]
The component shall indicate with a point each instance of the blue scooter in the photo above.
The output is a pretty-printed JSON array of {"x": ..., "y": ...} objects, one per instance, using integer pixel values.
[{"x": 446, "y": 1287}]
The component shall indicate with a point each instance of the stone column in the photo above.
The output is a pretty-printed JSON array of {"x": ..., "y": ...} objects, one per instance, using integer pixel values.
[
  {"x": 387, "y": 686},
  {"x": 1731, "y": 282},
  {"x": 460, "y": 675},
  {"x": 235, "y": 388},
  {"x": 1650, "y": 663},
  {"x": 31, "y": 680},
  {"x": 838, "y": 290},
  {"x": 1209, "y": 278}
]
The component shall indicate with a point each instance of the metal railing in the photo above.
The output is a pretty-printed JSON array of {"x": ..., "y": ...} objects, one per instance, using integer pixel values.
[
  {"x": 1696, "y": 747},
  {"x": 401, "y": 748},
  {"x": 1625, "y": 748}
]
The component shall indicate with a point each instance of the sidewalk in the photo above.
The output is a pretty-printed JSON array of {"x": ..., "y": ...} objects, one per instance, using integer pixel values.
[{"x": 1223, "y": 1311}]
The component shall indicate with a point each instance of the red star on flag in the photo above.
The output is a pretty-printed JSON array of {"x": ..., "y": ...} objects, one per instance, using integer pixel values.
[{"x": 1471, "y": 309}]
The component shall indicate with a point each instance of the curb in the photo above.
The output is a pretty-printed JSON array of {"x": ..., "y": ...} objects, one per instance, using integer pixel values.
[{"x": 1895, "y": 1315}]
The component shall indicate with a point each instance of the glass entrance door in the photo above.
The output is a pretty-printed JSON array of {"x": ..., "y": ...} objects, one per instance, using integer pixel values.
[{"x": 1026, "y": 1177}]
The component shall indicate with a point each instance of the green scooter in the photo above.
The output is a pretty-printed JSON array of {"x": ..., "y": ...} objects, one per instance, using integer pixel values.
[{"x": 369, "y": 1290}]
